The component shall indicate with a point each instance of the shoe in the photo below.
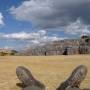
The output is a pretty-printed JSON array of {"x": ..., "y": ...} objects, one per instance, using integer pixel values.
[
  {"x": 75, "y": 79},
  {"x": 26, "y": 78}
]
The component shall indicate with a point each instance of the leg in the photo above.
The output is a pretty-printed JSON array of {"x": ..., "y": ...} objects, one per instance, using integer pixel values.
[{"x": 33, "y": 88}]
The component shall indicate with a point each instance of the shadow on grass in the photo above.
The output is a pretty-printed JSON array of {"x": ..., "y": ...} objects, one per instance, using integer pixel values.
[
  {"x": 21, "y": 85},
  {"x": 86, "y": 89}
]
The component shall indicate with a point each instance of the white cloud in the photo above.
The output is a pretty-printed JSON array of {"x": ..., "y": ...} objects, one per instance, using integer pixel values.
[
  {"x": 77, "y": 28},
  {"x": 49, "y": 14},
  {"x": 31, "y": 8},
  {"x": 42, "y": 32},
  {"x": 38, "y": 37},
  {"x": 8, "y": 47},
  {"x": 20, "y": 35},
  {"x": 1, "y": 19}
]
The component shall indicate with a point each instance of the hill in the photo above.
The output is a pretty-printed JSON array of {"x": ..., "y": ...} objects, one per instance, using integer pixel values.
[{"x": 5, "y": 52}]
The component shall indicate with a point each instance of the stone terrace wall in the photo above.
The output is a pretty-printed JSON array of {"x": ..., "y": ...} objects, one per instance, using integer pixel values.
[{"x": 63, "y": 47}]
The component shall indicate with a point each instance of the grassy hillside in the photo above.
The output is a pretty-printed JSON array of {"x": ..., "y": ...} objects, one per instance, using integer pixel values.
[{"x": 51, "y": 70}]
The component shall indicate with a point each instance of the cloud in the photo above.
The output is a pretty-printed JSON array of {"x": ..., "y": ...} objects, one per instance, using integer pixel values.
[
  {"x": 38, "y": 37},
  {"x": 45, "y": 14},
  {"x": 1, "y": 19},
  {"x": 20, "y": 36},
  {"x": 77, "y": 28},
  {"x": 8, "y": 47}
]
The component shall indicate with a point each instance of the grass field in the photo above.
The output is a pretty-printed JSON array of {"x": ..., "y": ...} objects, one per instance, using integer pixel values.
[{"x": 51, "y": 70}]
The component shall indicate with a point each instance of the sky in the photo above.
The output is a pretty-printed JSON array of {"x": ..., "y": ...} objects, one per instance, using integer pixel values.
[{"x": 25, "y": 23}]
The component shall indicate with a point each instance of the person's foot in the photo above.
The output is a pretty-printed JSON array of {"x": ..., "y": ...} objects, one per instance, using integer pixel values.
[
  {"x": 77, "y": 76},
  {"x": 75, "y": 79},
  {"x": 26, "y": 78}
]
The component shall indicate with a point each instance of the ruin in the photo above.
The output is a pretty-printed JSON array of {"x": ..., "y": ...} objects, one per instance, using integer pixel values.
[{"x": 62, "y": 47}]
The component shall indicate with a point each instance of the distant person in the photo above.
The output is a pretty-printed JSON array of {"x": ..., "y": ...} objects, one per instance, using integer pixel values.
[
  {"x": 45, "y": 54},
  {"x": 65, "y": 51}
]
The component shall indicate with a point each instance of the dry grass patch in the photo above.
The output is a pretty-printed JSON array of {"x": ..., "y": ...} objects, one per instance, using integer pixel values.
[{"x": 51, "y": 70}]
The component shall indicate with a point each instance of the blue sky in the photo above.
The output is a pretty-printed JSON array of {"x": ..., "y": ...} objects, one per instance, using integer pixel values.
[{"x": 24, "y": 23}]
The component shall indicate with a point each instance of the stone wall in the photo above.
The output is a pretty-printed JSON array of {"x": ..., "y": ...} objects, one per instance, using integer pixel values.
[{"x": 63, "y": 47}]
